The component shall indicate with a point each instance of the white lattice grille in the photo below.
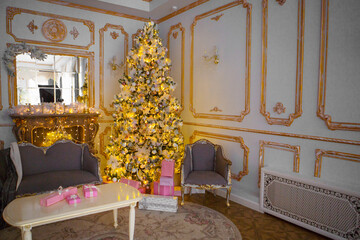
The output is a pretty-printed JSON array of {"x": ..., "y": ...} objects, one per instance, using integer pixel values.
[{"x": 327, "y": 210}]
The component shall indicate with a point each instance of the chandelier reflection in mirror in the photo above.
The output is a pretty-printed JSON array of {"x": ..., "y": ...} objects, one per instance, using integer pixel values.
[{"x": 57, "y": 79}]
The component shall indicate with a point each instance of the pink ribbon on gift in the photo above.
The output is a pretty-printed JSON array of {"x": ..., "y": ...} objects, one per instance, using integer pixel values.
[
  {"x": 91, "y": 190},
  {"x": 74, "y": 196}
]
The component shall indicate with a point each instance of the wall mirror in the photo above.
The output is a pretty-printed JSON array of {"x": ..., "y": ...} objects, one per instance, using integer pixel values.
[{"x": 60, "y": 78}]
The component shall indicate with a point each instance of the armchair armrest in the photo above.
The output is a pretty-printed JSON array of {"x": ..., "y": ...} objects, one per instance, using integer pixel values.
[
  {"x": 186, "y": 165},
  {"x": 90, "y": 162},
  {"x": 222, "y": 164}
]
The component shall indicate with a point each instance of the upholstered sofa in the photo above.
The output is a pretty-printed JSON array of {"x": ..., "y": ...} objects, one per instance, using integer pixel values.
[{"x": 65, "y": 163}]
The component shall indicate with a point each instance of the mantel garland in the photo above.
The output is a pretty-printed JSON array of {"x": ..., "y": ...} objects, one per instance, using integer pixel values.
[{"x": 15, "y": 49}]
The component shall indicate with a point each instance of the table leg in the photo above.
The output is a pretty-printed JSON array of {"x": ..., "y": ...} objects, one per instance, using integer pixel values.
[
  {"x": 115, "y": 218},
  {"x": 132, "y": 221},
  {"x": 26, "y": 233}
]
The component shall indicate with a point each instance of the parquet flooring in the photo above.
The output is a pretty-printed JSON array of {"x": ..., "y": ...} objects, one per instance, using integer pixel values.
[{"x": 252, "y": 224}]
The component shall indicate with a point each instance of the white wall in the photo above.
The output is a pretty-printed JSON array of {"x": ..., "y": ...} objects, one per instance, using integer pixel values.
[{"x": 223, "y": 85}]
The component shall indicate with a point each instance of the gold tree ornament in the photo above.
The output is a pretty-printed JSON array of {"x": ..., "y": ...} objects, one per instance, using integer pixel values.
[{"x": 147, "y": 124}]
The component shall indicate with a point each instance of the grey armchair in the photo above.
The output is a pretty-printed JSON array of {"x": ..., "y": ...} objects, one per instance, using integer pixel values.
[{"x": 205, "y": 167}]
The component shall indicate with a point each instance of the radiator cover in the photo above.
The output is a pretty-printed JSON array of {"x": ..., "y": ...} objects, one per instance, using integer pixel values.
[{"x": 330, "y": 211}]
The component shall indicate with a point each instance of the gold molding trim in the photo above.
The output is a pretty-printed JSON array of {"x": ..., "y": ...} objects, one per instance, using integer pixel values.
[
  {"x": 94, "y": 9},
  {"x": 102, "y": 140},
  {"x": 6, "y": 125},
  {"x": 12, "y": 85},
  {"x": 281, "y": 146},
  {"x": 299, "y": 65},
  {"x": 217, "y": 18},
  {"x": 134, "y": 35},
  {"x": 282, "y": 134},
  {"x": 101, "y": 60},
  {"x": 172, "y": 30},
  {"x": 239, "y": 140},
  {"x": 319, "y": 153},
  {"x": 11, "y": 12},
  {"x": 181, "y": 10},
  {"x": 322, "y": 75},
  {"x": 246, "y": 111}
]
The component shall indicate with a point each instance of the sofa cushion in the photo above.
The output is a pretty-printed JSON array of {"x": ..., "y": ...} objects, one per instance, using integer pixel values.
[
  {"x": 203, "y": 157},
  {"x": 205, "y": 178},
  {"x": 52, "y": 180},
  {"x": 61, "y": 156}
]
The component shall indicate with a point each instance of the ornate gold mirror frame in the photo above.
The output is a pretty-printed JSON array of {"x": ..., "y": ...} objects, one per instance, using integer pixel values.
[{"x": 12, "y": 80}]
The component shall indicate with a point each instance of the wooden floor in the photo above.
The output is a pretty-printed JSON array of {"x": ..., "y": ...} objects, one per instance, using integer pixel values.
[{"x": 252, "y": 224}]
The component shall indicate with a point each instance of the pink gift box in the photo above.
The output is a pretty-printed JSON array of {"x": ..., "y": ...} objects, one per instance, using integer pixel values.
[
  {"x": 90, "y": 190},
  {"x": 166, "y": 181},
  {"x": 51, "y": 199},
  {"x": 130, "y": 182},
  {"x": 167, "y": 168},
  {"x": 165, "y": 190},
  {"x": 69, "y": 191},
  {"x": 72, "y": 199}
]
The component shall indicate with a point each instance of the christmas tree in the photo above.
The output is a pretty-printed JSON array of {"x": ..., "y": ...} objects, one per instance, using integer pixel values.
[{"x": 147, "y": 124}]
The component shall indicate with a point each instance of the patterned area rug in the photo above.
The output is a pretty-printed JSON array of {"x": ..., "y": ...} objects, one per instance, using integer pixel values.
[{"x": 192, "y": 221}]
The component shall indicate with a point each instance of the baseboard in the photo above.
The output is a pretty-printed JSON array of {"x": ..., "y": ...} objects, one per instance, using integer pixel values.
[{"x": 240, "y": 200}]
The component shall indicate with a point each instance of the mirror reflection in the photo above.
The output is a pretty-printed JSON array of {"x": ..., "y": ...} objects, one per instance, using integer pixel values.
[{"x": 56, "y": 79}]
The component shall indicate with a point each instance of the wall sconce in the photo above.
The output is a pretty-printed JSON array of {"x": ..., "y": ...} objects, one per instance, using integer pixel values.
[
  {"x": 115, "y": 66},
  {"x": 215, "y": 57}
]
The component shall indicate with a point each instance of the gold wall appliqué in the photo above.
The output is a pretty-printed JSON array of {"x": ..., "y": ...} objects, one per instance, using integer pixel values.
[{"x": 54, "y": 30}]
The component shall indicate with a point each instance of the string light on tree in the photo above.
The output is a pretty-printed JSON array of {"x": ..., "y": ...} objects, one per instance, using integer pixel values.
[{"x": 147, "y": 125}]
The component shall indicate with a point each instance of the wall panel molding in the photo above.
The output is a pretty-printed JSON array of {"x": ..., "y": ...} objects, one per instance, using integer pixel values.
[
  {"x": 102, "y": 140},
  {"x": 12, "y": 12},
  {"x": 323, "y": 75},
  {"x": 174, "y": 29},
  {"x": 319, "y": 153},
  {"x": 239, "y": 140},
  {"x": 102, "y": 61},
  {"x": 280, "y": 146},
  {"x": 246, "y": 111},
  {"x": 282, "y": 134},
  {"x": 299, "y": 66}
]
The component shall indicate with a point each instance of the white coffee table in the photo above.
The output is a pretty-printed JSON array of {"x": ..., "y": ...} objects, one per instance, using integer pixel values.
[{"x": 26, "y": 213}]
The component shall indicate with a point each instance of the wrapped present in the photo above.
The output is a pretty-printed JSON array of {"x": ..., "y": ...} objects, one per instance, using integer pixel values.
[
  {"x": 52, "y": 198},
  {"x": 90, "y": 190},
  {"x": 142, "y": 190},
  {"x": 159, "y": 203},
  {"x": 133, "y": 183},
  {"x": 69, "y": 191},
  {"x": 166, "y": 181},
  {"x": 165, "y": 190},
  {"x": 177, "y": 191},
  {"x": 72, "y": 199},
  {"x": 167, "y": 168}
]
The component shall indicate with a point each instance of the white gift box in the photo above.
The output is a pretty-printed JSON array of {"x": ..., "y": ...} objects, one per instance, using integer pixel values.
[{"x": 159, "y": 203}]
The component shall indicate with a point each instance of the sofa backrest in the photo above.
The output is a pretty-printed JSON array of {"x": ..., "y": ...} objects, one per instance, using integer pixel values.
[
  {"x": 203, "y": 156},
  {"x": 61, "y": 156}
]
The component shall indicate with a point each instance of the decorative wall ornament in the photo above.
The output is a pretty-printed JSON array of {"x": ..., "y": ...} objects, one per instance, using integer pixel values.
[
  {"x": 114, "y": 35},
  {"x": 10, "y": 53},
  {"x": 74, "y": 32},
  {"x": 54, "y": 30},
  {"x": 247, "y": 66},
  {"x": 32, "y": 27},
  {"x": 319, "y": 153},
  {"x": 175, "y": 34},
  {"x": 182, "y": 30},
  {"x": 114, "y": 65},
  {"x": 279, "y": 108},
  {"x": 217, "y": 18},
  {"x": 299, "y": 66},
  {"x": 108, "y": 26},
  {"x": 281, "y": 2},
  {"x": 215, "y": 109},
  {"x": 239, "y": 140},
  {"x": 215, "y": 56},
  {"x": 11, "y": 12},
  {"x": 322, "y": 76},
  {"x": 280, "y": 146}
]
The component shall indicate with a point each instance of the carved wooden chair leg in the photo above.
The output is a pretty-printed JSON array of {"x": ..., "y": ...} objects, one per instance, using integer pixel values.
[
  {"x": 182, "y": 195},
  {"x": 228, "y": 197}
]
